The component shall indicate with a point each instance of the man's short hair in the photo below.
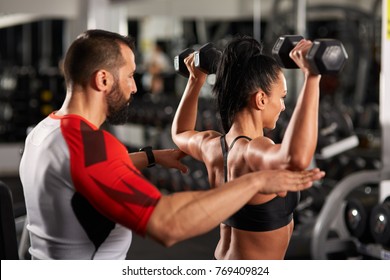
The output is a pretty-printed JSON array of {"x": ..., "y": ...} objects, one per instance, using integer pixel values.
[{"x": 94, "y": 50}]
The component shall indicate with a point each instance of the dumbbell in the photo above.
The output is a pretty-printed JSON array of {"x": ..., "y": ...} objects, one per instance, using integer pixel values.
[
  {"x": 178, "y": 62},
  {"x": 380, "y": 222},
  {"x": 206, "y": 59},
  {"x": 357, "y": 214},
  {"x": 326, "y": 56}
]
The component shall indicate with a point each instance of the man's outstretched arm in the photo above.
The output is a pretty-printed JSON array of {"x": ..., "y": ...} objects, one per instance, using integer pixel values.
[{"x": 187, "y": 214}]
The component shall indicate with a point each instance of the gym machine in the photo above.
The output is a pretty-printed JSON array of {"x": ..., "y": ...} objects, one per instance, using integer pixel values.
[{"x": 347, "y": 219}]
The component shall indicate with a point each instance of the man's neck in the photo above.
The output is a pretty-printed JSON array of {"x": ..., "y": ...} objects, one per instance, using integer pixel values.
[{"x": 89, "y": 105}]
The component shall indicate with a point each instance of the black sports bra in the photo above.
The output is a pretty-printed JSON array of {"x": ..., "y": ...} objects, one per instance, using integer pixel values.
[{"x": 273, "y": 214}]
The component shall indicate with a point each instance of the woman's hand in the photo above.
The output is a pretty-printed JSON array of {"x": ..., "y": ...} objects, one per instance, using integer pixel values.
[
  {"x": 195, "y": 73},
  {"x": 298, "y": 54}
]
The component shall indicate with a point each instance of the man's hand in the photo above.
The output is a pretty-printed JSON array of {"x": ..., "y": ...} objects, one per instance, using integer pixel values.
[
  {"x": 282, "y": 181},
  {"x": 170, "y": 158}
]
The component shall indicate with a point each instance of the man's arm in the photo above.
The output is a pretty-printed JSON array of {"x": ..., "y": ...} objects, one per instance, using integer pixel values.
[
  {"x": 187, "y": 214},
  {"x": 169, "y": 158}
]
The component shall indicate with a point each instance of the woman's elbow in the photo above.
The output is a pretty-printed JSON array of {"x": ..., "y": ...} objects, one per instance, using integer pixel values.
[
  {"x": 300, "y": 162},
  {"x": 176, "y": 137},
  {"x": 174, "y": 133}
]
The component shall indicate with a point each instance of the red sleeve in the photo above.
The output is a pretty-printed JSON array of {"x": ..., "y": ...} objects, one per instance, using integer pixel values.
[{"x": 104, "y": 174}]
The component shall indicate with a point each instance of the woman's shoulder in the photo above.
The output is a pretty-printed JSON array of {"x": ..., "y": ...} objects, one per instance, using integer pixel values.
[{"x": 262, "y": 140}]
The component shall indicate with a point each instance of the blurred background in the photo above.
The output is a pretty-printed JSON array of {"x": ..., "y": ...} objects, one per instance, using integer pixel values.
[{"x": 34, "y": 36}]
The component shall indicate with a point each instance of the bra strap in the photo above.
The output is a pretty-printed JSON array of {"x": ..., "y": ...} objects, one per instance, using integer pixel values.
[
  {"x": 225, "y": 152},
  {"x": 238, "y": 137}
]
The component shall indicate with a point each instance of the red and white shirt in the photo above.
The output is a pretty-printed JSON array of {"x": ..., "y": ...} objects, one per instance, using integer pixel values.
[{"x": 82, "y": 191}]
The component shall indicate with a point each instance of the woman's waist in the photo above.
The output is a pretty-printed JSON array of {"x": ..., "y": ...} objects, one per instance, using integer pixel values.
[{"x": 241, "y": 244}]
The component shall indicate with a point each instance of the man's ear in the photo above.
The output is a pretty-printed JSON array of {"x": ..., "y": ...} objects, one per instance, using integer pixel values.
[
  {"x": 102, "y": 80},
  {"x": 261, "y": 99}
]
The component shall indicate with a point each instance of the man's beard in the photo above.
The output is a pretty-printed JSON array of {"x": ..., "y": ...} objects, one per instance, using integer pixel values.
[{"x": 118, "y": 106}]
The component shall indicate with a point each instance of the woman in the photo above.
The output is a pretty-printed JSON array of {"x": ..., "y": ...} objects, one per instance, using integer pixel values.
[{"x": 250, "y": 89}]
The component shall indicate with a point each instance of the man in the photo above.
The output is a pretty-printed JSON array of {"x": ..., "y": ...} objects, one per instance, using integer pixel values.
[{"x": 84, "y": 193}]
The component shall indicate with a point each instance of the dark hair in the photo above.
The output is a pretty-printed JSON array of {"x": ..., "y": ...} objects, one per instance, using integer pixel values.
[
  {"x": 242, "y": 71},
  {"x": 91, "y": 51}
]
